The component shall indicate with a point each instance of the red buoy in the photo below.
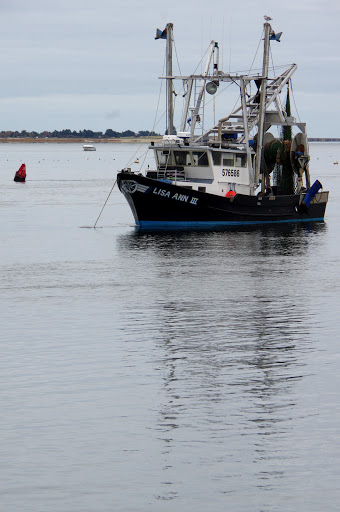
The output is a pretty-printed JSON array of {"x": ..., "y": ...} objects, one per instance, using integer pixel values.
[
  {"x": 231, "y": 193},
  {"x": 20, "y": 175}
]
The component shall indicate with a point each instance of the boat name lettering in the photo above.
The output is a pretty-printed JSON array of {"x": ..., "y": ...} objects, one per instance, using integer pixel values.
[
  {"x": 161, "y": 192},
  {"x": 178, "y": 197},
  {"x": 231, "y": 172}
]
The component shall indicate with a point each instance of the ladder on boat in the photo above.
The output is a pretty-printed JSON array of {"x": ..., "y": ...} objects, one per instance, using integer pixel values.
[{"x": 234, "y": 122}]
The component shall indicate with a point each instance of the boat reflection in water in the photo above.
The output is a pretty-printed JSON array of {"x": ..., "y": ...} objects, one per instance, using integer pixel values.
[{"x": 232, "y": 330}]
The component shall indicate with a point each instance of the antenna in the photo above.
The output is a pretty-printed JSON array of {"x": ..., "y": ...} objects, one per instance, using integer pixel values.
[
  {"x": 222, "y": 66},
  {"x": 231, "y": 19}
]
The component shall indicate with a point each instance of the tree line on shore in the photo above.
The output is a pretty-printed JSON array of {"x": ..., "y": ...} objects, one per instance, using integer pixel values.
[{"x": 73, "y": 134}]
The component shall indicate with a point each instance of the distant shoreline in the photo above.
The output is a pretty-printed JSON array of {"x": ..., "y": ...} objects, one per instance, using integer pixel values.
[
  {"x": 317, "y": 139},
  {"x": 75, "y": 140},
  {"x": 121, "y": 140}
]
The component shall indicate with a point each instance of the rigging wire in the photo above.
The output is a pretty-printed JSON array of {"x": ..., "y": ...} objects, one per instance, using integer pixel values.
[
  {"x": 200, "y": 62},
  {"x": 272, "y": 59},
  {"x": 179, "y": 67},
  {"x": 219, "y": 93},
  {"x": 155, "y": 122},
  {"x": 181, "y": 90},
  {"x": 137, "y": 150},
  {"x": 257, "y": 49},
  {"x": 278, "y": 96},
  {"x": 204, "y": 103},
  {"x": 291, "y": 88}
]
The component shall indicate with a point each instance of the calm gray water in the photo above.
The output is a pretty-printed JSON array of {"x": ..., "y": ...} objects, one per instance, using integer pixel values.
[{"x": 162, "y": 372}]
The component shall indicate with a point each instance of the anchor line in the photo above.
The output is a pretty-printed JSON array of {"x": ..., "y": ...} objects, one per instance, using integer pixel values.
[{"x": 105, "y": 203}]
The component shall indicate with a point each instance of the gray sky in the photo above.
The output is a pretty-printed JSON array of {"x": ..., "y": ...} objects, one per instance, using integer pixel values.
[{"x": 95, "y": 64}]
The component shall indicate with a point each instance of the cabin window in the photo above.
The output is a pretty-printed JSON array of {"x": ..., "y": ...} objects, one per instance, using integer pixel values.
[
  {"x": 240, "y": 160},
  {"x": 182, "y": 157},
  {"x": 163, "y": 157},
  {"x": 200, "y": 158},
  {"x": 201, "y": 189},
  {"x": 216, "y": 157},
  {"x": 228, "y": 160}
]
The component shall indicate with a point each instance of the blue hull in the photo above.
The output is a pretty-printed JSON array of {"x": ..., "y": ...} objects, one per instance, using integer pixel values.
[{"x": 215, "y": 224}]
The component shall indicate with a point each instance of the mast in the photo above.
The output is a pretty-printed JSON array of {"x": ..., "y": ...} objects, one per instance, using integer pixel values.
[
  {"x": 267, "y": 30},
  {"x": 169, "y": 86}
]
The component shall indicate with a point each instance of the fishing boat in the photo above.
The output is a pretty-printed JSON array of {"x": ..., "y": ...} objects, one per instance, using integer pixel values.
[{"x": 237, "y": 172}]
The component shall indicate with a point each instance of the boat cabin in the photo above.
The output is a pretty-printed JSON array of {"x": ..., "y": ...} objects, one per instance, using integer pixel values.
[{"x": 218, "y": 170}]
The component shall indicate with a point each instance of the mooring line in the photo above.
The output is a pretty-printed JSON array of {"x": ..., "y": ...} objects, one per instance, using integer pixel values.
[{"x": 105, "y": 203}]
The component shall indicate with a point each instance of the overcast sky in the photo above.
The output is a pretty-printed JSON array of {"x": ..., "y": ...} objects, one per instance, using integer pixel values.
[{"x": 95, "y": 64}]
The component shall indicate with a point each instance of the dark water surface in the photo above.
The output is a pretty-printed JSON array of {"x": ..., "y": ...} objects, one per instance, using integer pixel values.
[{"x": 170, "y": 371}]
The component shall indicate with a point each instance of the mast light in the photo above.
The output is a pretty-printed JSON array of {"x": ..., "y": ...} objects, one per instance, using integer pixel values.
[{"x": 211, "y": 87}]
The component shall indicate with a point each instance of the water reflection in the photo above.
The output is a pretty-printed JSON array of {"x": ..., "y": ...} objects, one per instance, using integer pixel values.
[
  {"x": 286, "y": 236},
  {"x": 218, "y": 389},
  {"x": 282, "y": 228},
  {"x": 232, "y": 316}
]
